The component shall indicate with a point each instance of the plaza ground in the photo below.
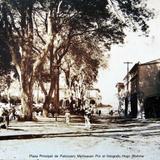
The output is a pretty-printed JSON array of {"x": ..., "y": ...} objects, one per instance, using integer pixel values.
[{"x": 107, "y": 139}]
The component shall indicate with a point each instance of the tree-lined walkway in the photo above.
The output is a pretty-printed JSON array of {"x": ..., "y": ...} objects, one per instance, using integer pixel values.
[{"x": 48, "y": 127}]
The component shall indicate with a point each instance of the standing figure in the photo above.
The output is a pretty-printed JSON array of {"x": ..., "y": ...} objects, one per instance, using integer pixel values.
[
  {"x": 99, "y": 112},
  {"x": 14, "y": 113},
  {"x": 6, "y": 117},
  {"x": 87, "y": 116},
  {"x": 67, "y": 116},
  {"x": 1, "y": 115}
]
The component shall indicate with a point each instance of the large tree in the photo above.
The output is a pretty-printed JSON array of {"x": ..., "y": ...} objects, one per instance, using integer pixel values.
[
  {"x": 81, "y": 65},
  {"x": 5, "y": 69},
  {"x": 35, "y": 29}
]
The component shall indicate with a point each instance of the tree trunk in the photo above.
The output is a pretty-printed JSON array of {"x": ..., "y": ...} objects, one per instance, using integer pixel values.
[
  {"x": 54, "y": 88},
  {"x": 27, "y": 79},
  {"x": 26, "y": 102},
  {"x": 26, "y": 93},
  {"x": 48, "y": 99},
  {"x": 54, "y": 73},
  {"x": 56, "y": 91}
]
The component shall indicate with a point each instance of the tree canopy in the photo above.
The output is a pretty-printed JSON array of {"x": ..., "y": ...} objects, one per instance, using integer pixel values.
[{"x": 34, "y": 30}]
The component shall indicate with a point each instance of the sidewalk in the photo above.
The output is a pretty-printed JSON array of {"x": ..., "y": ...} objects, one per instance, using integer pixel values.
[
  {"x": 41, "y": 128},
  {"x": 48, "y": 127}
]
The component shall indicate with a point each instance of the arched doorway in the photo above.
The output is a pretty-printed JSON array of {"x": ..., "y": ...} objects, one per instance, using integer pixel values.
[{"x": 152, "y": 107}]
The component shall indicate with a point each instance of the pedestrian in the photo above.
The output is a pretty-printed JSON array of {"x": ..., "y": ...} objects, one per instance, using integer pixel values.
[
  {"x": 6, "y": 116},
  {"x": 1, "y": 111},
  {"x": 14, "y": 113},
  {"x": 1, "y": 114},
  {"x": 67, "y": 116},
  {"x": 111, "y": 112},
  {"x": 87, "y": 119},
  {"x": 87, "y": 116},
  {"x": 99, "y": 112}
]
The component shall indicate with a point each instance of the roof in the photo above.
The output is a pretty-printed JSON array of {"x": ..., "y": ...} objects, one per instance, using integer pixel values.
[
  {"x": 132, "y": 69},
  {"x": 104, "y": 106},
  {"x": 120, "y": 84},
  {"x": 152, "y": 62},
  {"x": 140, "y": 64}
]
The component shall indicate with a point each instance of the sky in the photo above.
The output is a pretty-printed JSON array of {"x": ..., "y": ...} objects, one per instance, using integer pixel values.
[{"x": 136, "y": 49}]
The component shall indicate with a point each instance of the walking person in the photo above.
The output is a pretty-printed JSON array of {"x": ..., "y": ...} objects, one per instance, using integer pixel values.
[
  {"x": 6, "y": 116},
  {"x": 67, "y": 116},
  {"x": 1, "y": 115},
  {"x": 99, "y": 112},
  {"x": 87, "y": 119},
  {"x": 87, "y": 116},
  {"x": 13, "y": 113}
]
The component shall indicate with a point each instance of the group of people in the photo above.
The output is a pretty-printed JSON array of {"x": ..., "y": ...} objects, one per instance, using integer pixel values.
[
  {"x": 6, "y": 115},
  {"x": 86, "y": 110}
]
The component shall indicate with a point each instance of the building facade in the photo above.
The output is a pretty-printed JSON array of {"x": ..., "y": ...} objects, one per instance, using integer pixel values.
[{"x": 142, "y": 90}]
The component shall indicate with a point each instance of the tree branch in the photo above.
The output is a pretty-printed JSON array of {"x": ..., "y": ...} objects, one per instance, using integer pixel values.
[
  {"x": 42, "y": 87},
  {"x": 37, "y": 50},
  {"x": 43, "y": 41},
  {"x": 13, "y": 24},
  {"x": 58, "y": 8},
  {"x": 83, "y": 32}
]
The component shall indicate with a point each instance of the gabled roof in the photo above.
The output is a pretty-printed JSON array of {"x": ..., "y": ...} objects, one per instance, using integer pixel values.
[
  {"x": 132, "y": 69},
  {"x": 140, "y": 64},
  {"x": 152, "y": 62},
  {"x": 120, "y": 84}
]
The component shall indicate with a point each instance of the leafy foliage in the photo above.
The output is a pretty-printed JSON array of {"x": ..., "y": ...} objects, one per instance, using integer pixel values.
[
  {"x": 36, "y": 30},
  {"x": 25, "y": 22}
]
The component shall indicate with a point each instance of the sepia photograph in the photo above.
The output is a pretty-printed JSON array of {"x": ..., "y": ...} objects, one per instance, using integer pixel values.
[{"x": 79, "y": 79}]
